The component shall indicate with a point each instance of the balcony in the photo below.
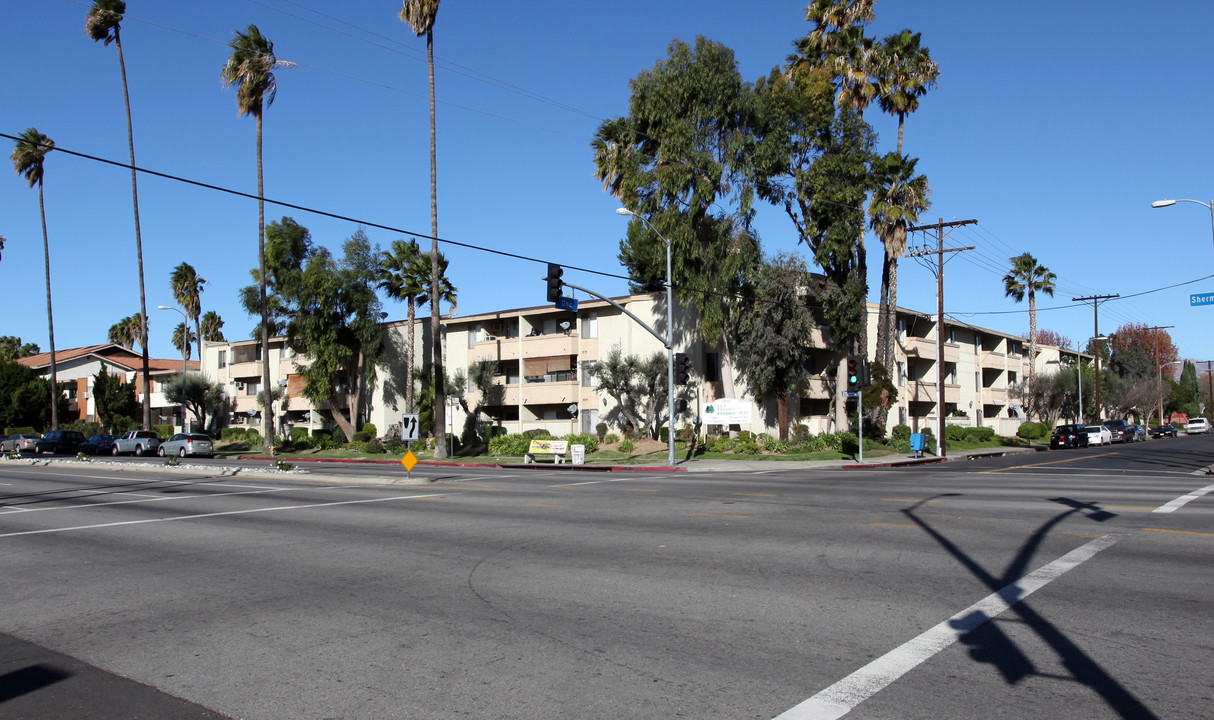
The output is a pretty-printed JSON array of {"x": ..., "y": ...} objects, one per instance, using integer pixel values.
[
  {"x": 815, "y": 388},
  {"x": 994, "y": 396},
  {"x": 993, "y": 359},
  {"x": 919, "y": 347},
  {"x": 250, "y": 370},
  {"x": 924, "y": 392},
  {"x": 532, "y": 346}
]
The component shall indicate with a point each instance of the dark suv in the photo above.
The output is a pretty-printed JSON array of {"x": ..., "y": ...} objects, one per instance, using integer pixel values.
[
  {"x": 1117, "y": 428},
  {"x": 60, "y": 441},
  {"x": 1065, "y": 436}
]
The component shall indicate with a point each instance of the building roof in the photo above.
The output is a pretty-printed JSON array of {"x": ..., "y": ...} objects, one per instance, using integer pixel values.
[{"x": 111, "y": 353}]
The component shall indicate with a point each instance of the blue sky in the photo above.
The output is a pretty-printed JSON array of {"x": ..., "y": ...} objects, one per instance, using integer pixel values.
[{"x": 1054, "y": 126}]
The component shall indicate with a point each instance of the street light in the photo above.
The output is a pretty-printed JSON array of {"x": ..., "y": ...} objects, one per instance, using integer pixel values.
[
  {"x": 1168, "y": 203},
  {"x": 669, "y": 336},
  {"x": 185, "y": 341}
]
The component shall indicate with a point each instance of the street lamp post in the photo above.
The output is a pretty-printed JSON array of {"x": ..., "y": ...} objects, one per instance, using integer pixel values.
[
  {"x": 669, "y": 336},
  {"x": 185, "y": 343},
  {"x": 1208, "y": 206}
]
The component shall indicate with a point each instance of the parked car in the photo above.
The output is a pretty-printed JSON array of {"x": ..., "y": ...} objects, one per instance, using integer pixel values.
[
  {"x": 21, "y": 442},
  {"x": 1116, "y": 429},
  {"x": 1135, "y": 433},
  {"x": 1163, "y": 431},
  {"x": 1069, "y": 436},
  {"x": 1099, "y": 435},
  {"x": 182, "y": 444},
  {"x": 1197, "y": 426},
  {"x": 136, "y": 442},
  {"x": 59, "y": 441},
  {"x": 98, "y": 444}
]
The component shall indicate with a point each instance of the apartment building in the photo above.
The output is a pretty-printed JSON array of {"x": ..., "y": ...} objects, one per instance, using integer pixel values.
[
  {"x": 78, "y": 367},
  {"x": 542, "y": 355}
]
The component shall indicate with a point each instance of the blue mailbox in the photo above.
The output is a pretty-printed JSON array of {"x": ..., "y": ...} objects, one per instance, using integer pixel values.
[{"x": 918, "y": 442}]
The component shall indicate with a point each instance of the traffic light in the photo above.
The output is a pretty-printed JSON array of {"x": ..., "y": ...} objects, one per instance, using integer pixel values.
[
  {"x": 554, "y": 282},
  {"x": 853, "y": 372},
  {"x": 682, "y": 369}
]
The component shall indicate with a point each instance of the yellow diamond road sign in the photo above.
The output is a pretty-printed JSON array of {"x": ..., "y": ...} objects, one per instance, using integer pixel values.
[{"x": 409, "y": 460}]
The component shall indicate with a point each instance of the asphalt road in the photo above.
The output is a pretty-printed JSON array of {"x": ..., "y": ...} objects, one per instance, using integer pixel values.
[{"x": 1062, "y": 584}]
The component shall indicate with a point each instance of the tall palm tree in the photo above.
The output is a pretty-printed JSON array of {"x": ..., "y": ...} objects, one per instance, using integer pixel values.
[
  {"x": 1027, "y": 277},
  {"x": 248, "y": 69},
  {"x": 103, "y": 24},
  {"x": 906, "y": 72},
  {"x": 401, "y": 278},
  {"x": 420, "y": 15},
  {"x": 899, "y": 198},
  {"x": 212, "y": 327},
  {"x": 28, "y": 158},
  {"x": 187, "y": 291}
]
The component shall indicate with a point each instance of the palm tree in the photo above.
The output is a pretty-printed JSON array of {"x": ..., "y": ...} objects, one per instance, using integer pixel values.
[
  {"x": 212, "y": 327},
  {"x": 1027, "y": 277},
  {"x": 103, "y": 24},
  {"x": 906, "y": 72},
  {"x": 420, "y": 15},
  {"x": 127, "y": 332},
  {"x": 182, "y": 339},
  {"x": 28, "y": 157},
  {"x": 405, "y": 275},
  {"x": 899, "y": 198},
  {"x": 248, "y": 69},
  {"x": 187, "y": 291}
]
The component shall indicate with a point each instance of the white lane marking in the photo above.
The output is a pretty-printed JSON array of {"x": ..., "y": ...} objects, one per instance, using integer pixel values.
[
  {"x": 217, "y": 514},
  {"x": 151, "y": 498},
  {"x": 592, "y": 482},
  {"x": 1183, "y": 500},
  {"x": 842, "y": 697}
]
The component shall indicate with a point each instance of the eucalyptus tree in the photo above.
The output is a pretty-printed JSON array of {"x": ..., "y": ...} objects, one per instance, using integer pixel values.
[
  {"x": 898, "y": 198},
  {"x": 187, "y": 291},
  {"x": 28, "y": 158},
  {"x": 104, "y": 24},
  {"x": 420, "y": 16},
  {"x": 249, "y": 69},
  {"x": 679, "y": 161},
  {"x": 404, "y": 274},
  {"x": 905, "y": 73},
  {"x": 1027, "y": 278}
]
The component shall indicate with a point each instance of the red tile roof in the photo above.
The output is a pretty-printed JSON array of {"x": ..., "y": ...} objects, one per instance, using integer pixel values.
[{"x": 116, "y": 354}]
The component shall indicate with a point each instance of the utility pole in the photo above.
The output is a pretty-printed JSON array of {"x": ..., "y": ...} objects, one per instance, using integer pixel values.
[
  {"x": 1159, "y": 368},
  {"x": 939, "y": 272},
  {"x": 1096, "y": 300}
]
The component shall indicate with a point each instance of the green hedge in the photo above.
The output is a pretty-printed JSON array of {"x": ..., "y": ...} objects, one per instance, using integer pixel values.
[
  {"x": 164, "y": 431},
  {"x": 590, "y": 441},
  {"x": 509, "y": 445}
]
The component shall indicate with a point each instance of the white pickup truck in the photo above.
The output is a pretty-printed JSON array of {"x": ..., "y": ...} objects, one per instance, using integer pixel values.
[{"x": 137, "y": 442}]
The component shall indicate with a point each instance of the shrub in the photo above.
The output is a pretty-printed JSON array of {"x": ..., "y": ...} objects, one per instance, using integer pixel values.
[
  {"x": 590, "y": 441},
  {"x": 86, "y": 427},
  {"x": 493, "y": 431},
  {"x": 394, "y": 446},
  {"x": 720, "y": 444},
  {"x": 601, "y": 430},
  {"x": 538, "y": 434},
  {"x": 252, "y": 436},
  {"x": 362, "y": 436},
  {"x": 900, "y": 432},
  {"x": 510, "y": 445},
  {"x": 164, "y": 431},
  {"x": 372, "y": 447},
  {"x": 745, "y": 435},
  {"x": 664, "y": 435},
  {"x": 979, "y": 434},
  {"x": 800, "y": 431},
  {"x": 954, "y": 432},
  {"x": 20, "y": 431},
  {"x": 370, "y": 429},
  {"x": 627, "y": 445},
  {"x": 232, "y": 435},
  {"x": 299, "y": 436},
  {"x": 324, "y": 442},
  {"x": 831, "y": 441},
  {"x": 611, "y": 438}
]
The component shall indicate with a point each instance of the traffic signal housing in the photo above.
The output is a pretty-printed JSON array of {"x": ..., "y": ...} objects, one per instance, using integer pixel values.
[
  {"x": 682, "y": 369},
  {"x": 555, "y": 284},
  {"x": 853, "y": 372},
  {"x": 865, "y": 376}
]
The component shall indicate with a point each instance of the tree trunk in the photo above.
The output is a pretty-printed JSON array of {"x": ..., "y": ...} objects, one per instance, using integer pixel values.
[
  {"x": 143, "y": 304},
  {"x": 883, "y": 310},
  {"x": 782, "y": 415},
  {"x": 1032, "y": 338},
  {"x": 891, "y": 317},
  {"x": 267, "y": 421},
  {"x": 50, "y": 319},
  {"x": 440, "y": 392}
]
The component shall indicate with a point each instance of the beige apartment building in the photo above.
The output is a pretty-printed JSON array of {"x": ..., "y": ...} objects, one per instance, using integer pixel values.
[{"x": 542, "y": 355}]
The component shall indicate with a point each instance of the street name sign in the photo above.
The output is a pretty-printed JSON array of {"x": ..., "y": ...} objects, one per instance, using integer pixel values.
[
  {"x": 566, "y": 303},
  {"x": 1196, "y": 299}
]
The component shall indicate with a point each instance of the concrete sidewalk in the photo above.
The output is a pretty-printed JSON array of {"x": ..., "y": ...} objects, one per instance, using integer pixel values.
[{"x": 883, "y": 461}]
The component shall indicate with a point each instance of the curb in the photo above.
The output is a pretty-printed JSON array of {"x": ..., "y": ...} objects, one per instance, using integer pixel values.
[{"x": 441, "y": 463}]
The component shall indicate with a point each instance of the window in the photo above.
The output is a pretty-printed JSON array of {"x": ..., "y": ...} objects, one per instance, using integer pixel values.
[
  {"x": 590, "y": 325},
  {"x": 901, "y": 373},
  {"x": 252, "y": 388},
  {"x": 589, "y": 379},
  {"x": 223, "y": 358},
  {"x": 474, "y": 334},
  {"x": 1011, "y": 377}
]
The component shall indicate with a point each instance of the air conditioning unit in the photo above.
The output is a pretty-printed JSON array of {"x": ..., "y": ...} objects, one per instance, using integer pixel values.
[{"x": 240, "y": 386}]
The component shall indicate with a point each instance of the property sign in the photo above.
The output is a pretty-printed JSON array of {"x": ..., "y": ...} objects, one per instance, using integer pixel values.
[
  {"x": 556, "y": 447},
  {"x": 728, "y": 411},
  {"x": 1201, "y": 299},
  {"x": 408, "y": 428}
]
